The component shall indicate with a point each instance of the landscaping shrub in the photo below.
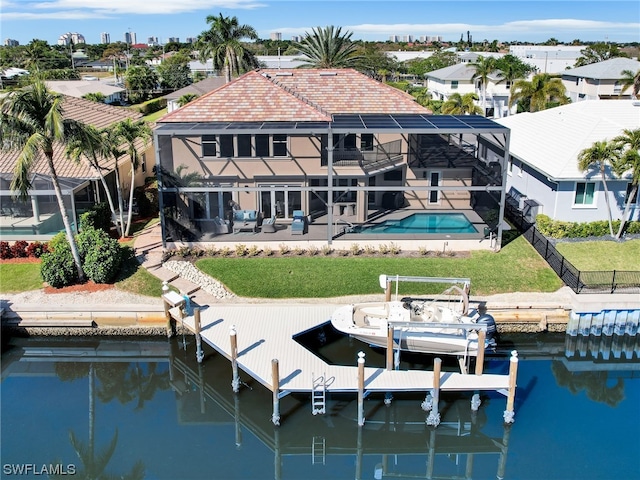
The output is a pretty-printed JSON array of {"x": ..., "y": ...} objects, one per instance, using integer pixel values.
[
  {"x": 37, "y": 249},
  {"x": 561, "y": 229},
  {"x": 19, "y": 248},
  {"x": 99, "y": 216},
  {"x": 5, "y": 250},
  {"x": 58, "y": 268},
  {"x": 101, "y": 255},
  {"x": 151, "y": 106}
]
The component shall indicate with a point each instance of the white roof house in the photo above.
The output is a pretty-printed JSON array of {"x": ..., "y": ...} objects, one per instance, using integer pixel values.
[
  {"x": 544, "y": 148},
  {"x": 602, "y": 80},
  {"x": 79, "y": 88}
]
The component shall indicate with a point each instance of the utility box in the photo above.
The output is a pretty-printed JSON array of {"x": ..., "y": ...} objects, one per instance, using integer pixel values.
[{"x": 531, "y": 208}]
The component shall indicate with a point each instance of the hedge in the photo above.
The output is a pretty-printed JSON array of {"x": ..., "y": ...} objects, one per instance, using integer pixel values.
[{"x": 561, "y": 229}]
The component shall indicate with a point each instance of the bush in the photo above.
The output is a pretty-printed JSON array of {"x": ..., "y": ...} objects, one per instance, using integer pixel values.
[
  {"x": 5, "y": 250},
  {"x": 19, "y": 248},
  {"x": 151, "y": 106},
  {"x": 99, "y": 216},
  {"x": 101, "y": 255},
  {"x": 37, "y": 249},
  {"x": 58, "y": 268},
  {"x": 560, "y": 229},
  {"x": 58, "y": 239}
]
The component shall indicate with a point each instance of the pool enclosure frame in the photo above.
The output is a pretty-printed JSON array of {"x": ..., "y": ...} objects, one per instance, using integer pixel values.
[{"x": 404, "y": 126}]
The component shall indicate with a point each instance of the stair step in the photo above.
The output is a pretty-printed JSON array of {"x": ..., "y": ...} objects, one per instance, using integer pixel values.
[
  {"x": 184, "y": 286},
  {"x": 163, "y": 274}
]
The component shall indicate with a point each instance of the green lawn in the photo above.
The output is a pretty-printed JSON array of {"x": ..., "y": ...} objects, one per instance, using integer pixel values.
[
  {"x": 19, "y": 277},
  {"x": 602, "y": 255},
  {"x": 152, "y": 117},
  {"x": 516, "y": 268}
]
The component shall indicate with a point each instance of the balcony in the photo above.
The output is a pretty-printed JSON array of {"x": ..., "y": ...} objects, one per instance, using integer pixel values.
[{"x": 384, "y": 155}]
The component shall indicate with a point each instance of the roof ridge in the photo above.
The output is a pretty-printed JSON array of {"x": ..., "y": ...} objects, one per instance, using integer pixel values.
[{"x": 298, "y": 95}]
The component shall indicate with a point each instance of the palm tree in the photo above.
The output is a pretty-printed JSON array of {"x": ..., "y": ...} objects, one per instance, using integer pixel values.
[
  {"x": 186, "y": 98},
  {"x": 131, "y": 132},
  {"x": 222, "y": 44},
  {"x": 629, "y": 143},
  {"x": 327, "y": 48},
  {"x": 113, "y": 148},
  {"x": 461, "y": 105},
  {"x": 539, "y": 92},
  {"x": 630, "y": 79},
  {"x": 32, "y": 123},
  {"x": 600, "y": 155},
  {"x": 484, "y": 66},
  {"x": 90, "y": 146}
]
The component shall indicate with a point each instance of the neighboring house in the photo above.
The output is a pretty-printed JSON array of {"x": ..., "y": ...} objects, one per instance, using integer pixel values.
[
  {"x": 198, "y": 88},
  {"x": 548, "y": 58},
  {"x": 279, "y": 61},
  {"x": 80, "y": 88},
  {"x": 599, "y": 81},
  {"x": 543, "y": 174},
  {"x": 38, "y": 218},
  {"x": 457, "y": 78},
  {"x": 334, "y": 143}
]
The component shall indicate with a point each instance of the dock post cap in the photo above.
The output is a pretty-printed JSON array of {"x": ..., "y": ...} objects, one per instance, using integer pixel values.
[
  {"x": 360, "y": 357},
  {"x": 165, "y": 286},
  {"x": 232, "y": 330},
  {"x": 514, "y": 356}
]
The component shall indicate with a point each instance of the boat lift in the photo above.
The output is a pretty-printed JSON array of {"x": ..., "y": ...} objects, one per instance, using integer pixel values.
[{"x": 386, "y": 280}]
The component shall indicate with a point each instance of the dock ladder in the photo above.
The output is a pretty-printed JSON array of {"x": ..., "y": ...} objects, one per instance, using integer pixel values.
[
  {"x": 318, "y": 451},
  {"x": 318, "y": 395}
]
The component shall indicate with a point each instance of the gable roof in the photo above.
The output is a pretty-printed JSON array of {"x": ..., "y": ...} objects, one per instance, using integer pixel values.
[
  {"x": 607, "y": 70},
  {"x": 78, "y": 88},
  {"x": 298, "y": 95},
  {"x": 97, "y": 114},
  {"x": 459, "y": 71},
  {"x": 551, "y": 140},
  {"x": 198, "y": 88}
]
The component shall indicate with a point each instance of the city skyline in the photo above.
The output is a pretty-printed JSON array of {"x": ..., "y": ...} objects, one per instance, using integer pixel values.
[{"x": 525, "y": 21}]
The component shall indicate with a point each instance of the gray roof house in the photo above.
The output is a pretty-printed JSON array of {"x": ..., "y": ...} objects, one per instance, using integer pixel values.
[
  {"x": 543, "y": 174},
  {"x": 599, "y": 81},
  {"x": 199, "y": 88},
  {"x": 80, "y": 88}
]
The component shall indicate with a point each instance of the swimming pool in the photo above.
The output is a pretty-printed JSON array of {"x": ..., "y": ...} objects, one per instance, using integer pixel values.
[{"x": 423, "y": 223}]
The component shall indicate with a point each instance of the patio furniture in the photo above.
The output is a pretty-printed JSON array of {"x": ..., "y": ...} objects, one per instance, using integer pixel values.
[
  {"x": 269, "y": 225},
  {"x": 245, "y": 220},
  {"x": 299, "y": 223}
]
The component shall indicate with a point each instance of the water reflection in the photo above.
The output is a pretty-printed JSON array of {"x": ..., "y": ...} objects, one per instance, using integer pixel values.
[{"x": 147, "y": 409}]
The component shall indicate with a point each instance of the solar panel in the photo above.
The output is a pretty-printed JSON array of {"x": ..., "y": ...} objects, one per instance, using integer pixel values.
[{"x": 447, "y": 121}]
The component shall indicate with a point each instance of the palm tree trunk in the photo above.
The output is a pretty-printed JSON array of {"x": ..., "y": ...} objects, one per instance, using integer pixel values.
[
  {"x": 109, "y": 199},
  {"x": 606, "y": 198},
  {"x": 130, "y": 210},
  {"x": 120, "y": 201},
  {"x": 65, "y": 217},
  {"x": 627, "y": 207}
]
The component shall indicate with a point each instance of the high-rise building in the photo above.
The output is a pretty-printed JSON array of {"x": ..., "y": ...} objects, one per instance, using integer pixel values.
[
  {"x": 275, "y": 36},
  {"x": 295, "y": 38},
  {"x": 105, "y": 38},
  {"x": 152, "y": 41},
  {"x": 191, "y": 40},
  {"x": 394, "y": 38},
  {"x": 68, "y": 38},
  {"x": 130, "y": 38},
  {"x": 174, "y": 40},
  {"x": 10, "y": 42}
]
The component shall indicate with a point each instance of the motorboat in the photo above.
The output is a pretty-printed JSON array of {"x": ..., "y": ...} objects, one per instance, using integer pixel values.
[{"x": 440, "y": 325}]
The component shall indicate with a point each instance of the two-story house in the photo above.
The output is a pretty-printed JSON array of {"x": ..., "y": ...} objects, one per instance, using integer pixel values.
[
  {"x": 599, "y": 81},
  {"x": 343, "y": 148}
]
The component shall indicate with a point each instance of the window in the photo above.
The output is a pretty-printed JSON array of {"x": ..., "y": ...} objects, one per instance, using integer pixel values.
[
  {"x": 279, "y": 145},
  {"x": 262, "y": 145},
  {"x": 584, "y": 193},
  {"x": 434, "y": 181},
  {"x": 454, "y": 84},
  {"x": 226, "y": 146},
  {"x": 366, "y": 142},
  {"x": 143, "y": 163},
  {"x": 510, "y": 167},
  {"x": 209, "y": 146},
  {"x": 244, "y": 145}
]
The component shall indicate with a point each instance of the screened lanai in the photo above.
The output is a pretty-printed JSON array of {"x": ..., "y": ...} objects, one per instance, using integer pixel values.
[{"x": 350, "y": 177}]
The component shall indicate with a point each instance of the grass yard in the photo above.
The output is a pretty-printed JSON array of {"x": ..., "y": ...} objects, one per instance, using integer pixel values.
[
  {"x": 516, "y": 268},
  {"x": 152, "y": 117},
  {"x": 137, "y": 280},
  {"x": 19, "y": 277},
  {"x": 602, "y": 255}
]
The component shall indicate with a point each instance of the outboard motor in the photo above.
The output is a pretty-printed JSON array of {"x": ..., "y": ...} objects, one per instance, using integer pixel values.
[{"x": 492, "y": 331}]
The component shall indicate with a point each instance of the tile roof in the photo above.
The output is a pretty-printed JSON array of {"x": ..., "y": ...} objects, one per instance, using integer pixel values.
[
  {"x": 550, "y": 140},
  {"x": 99, "y": 115},
  {"x": 271, "y": 95}
]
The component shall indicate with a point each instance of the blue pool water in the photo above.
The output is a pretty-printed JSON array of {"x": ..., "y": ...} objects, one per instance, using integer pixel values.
[{"x": 419, "y": 223}]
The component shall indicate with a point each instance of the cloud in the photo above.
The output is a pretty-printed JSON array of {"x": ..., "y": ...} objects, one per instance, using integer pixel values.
[{"x": 82, "y": 9}]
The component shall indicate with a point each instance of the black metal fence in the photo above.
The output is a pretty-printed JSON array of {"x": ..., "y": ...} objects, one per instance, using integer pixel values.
[{"x": 614, "y": 281}]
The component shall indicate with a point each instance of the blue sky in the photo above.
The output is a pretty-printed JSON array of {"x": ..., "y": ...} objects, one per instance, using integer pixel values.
[{"x": 590, "y": 20}]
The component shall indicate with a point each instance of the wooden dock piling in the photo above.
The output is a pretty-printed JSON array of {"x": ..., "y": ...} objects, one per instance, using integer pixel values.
[
  {"x": 513, "y": 373},
  {"x": 482, "y": 335},
  {"x": 434, "y": 416},
  {"x": 235, "y": 380},
  {"x": 389, "y": 347},
  {"x": 360, "y": 388},
  {"x": 275, "y": 377},
  {"x": 196, "y": 324}
]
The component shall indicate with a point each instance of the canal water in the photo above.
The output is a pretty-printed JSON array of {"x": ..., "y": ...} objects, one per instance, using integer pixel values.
[{"x": 144, "y": 408}]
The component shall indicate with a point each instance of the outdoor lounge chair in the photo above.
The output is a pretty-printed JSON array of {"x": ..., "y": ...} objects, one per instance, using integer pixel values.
[
  {"x": 269, "y": 225},
  {"x": 299, "y": 223}
]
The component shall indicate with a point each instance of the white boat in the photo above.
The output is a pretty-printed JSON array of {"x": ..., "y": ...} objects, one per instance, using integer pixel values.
[{"x": 439, "y": 326}]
